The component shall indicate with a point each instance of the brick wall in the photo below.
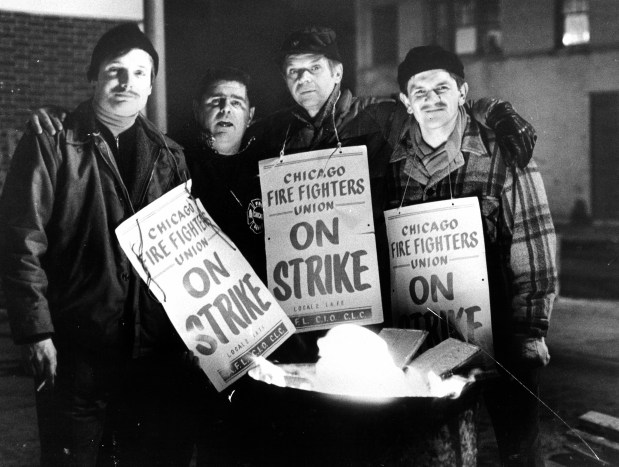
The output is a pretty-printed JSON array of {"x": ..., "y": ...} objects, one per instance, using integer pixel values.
[{"x": 43, "y": 60}]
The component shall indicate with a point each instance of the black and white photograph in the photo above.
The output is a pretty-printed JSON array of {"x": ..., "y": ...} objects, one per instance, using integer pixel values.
[{"x": 314, "y": 233}]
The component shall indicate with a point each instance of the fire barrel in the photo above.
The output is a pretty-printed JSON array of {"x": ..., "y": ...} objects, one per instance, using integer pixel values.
[{"x": 277, "y": 426}]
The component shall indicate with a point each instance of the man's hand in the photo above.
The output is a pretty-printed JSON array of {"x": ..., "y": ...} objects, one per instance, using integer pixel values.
[
  {"x": 41, "y": 358},
  {"x": 531, "y": 352},
  {"x": 515, "y": 136},
  {"x": 190, "y": 360},
  {"x": 49, "y": 119}
]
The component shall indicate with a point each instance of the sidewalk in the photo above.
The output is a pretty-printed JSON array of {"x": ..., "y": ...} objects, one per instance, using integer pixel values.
[{"x": 583, "y": 375}]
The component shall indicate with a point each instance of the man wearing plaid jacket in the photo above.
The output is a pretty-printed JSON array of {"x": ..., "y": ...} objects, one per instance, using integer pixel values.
[{"x": 442, "y": 152}]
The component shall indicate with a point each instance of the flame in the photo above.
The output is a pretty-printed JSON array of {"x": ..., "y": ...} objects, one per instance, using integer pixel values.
[{"x": 356, "y": 362}]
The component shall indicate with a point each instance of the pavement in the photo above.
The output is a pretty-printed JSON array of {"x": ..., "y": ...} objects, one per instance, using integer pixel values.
[{"x": 583, "y": 375}]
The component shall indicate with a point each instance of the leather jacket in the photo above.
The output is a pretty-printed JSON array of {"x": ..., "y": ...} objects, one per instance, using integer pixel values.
[{"x": 63, "y": 271}]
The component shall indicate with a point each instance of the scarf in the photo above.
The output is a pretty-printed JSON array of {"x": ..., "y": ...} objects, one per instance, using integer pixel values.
[{"x": 430, "y": 163}]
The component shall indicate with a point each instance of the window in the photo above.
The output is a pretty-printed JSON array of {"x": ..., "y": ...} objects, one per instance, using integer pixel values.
[
  {"x": 575, "y": 16},
  {"x": 385, "y": 34},
  {"x": 465, "y": 26},
  {"x": 440, "y": 21}
]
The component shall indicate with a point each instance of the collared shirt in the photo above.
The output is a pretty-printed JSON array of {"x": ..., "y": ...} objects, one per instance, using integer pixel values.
[
  {"x": 427, "y": 164},
  {"x": 518, "y": 229}
]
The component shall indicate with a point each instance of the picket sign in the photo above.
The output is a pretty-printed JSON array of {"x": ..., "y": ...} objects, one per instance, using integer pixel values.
[
  {"x": 217, "y": 303},
  {"x": 439, "y": 278},
  {"x": 319, "y": 233}
]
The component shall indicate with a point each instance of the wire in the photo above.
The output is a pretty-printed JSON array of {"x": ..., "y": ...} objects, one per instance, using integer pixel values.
[{"x": 529, "y": 391}]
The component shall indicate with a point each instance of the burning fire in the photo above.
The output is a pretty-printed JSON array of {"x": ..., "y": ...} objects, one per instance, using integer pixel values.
[{"x": 354, "y": 361}]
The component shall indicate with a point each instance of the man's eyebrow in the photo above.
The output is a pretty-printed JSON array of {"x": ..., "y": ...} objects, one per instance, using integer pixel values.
[
  {"x": 312, "y": 62},
  {"x": 232, "y": 96},
  {"x": 118, "y": 62},
  {"x": 440, "y": 83}
]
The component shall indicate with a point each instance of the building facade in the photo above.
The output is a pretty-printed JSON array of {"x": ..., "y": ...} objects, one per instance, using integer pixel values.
[{"x": 557, "y": 61}]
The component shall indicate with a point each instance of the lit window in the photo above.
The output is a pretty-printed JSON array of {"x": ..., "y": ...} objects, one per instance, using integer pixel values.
[
  {"x": 466, "y": 26},
  {"x": 575, "y": 22}
]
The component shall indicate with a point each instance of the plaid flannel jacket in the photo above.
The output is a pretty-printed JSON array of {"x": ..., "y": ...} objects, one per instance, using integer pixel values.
[{"x": 519, "y": 233}]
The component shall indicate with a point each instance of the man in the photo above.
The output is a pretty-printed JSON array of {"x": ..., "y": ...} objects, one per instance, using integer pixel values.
[
  {"x": 312, "y": 68},
  {"x": 442, "y": 152},
  {"x": 223, "y": 165},
  {"x": 74, "y": 301}
]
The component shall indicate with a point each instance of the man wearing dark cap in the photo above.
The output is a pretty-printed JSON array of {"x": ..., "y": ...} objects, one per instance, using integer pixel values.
[
  {"x": 312, "y": 68},
  {"x": 89, "y": 328},
  {"x": 441, "y": 153}
]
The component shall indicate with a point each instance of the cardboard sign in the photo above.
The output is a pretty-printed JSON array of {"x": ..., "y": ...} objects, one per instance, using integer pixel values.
[
  {"x": 438, "y": 267},
  {"x": 216, "y": 302},
  {"x": 319, "y": 235}
]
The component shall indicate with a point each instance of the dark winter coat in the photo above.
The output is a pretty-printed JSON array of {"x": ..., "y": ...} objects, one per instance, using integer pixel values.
[
  {"x": 63, "y": 270},
  {"x": 229, "y": 188}
]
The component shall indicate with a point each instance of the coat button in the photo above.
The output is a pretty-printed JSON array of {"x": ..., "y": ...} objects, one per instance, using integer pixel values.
[{"x": 124, "y": 276}]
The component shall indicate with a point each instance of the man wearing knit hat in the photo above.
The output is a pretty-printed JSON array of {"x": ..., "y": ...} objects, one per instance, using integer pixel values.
[
  {"x": 442, "y": 153},
  {"x": 88, "y": 326}
]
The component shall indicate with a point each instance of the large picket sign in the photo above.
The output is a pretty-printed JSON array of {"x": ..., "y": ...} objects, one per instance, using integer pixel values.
[
  {"x": 217, "y": 303},
  {"x": 439, "y": 278},
  {"x": 319, "y": 235}
]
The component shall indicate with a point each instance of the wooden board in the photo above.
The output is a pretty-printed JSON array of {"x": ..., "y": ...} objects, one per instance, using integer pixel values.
[
  {"x": 403, "y": 343},
  {"x": 600, "y": 424},
  {"x": 445, "y": 358}
]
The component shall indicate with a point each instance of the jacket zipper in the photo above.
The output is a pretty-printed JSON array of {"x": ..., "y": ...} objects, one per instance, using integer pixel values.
[
  {"x": 135, "y": 351},
  {"x": 150, "y": 178},
  {"x": 112, "y": 165}
]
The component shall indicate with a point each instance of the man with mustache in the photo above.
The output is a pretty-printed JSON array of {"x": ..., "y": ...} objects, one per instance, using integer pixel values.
[
  {"x": 223, "y": 164},
  {"x": 441, "y": 152},
  {"x": 102, "y": 349}
]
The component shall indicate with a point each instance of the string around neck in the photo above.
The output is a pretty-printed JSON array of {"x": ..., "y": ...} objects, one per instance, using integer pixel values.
[
  {"x": 140, "y": 256},
  {"x": 451, "y": 195},
  {"x": 281, "y": 153},
  {"x": 337, "y": 136}
]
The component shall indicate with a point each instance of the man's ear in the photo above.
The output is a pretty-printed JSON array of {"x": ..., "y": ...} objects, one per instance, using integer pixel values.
[
  {"x": 406, "y": 102},
  {"x": 251, "y": 115},
  {"x": 338, "y": 72},
  {"x": 464, "y": 90}
]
